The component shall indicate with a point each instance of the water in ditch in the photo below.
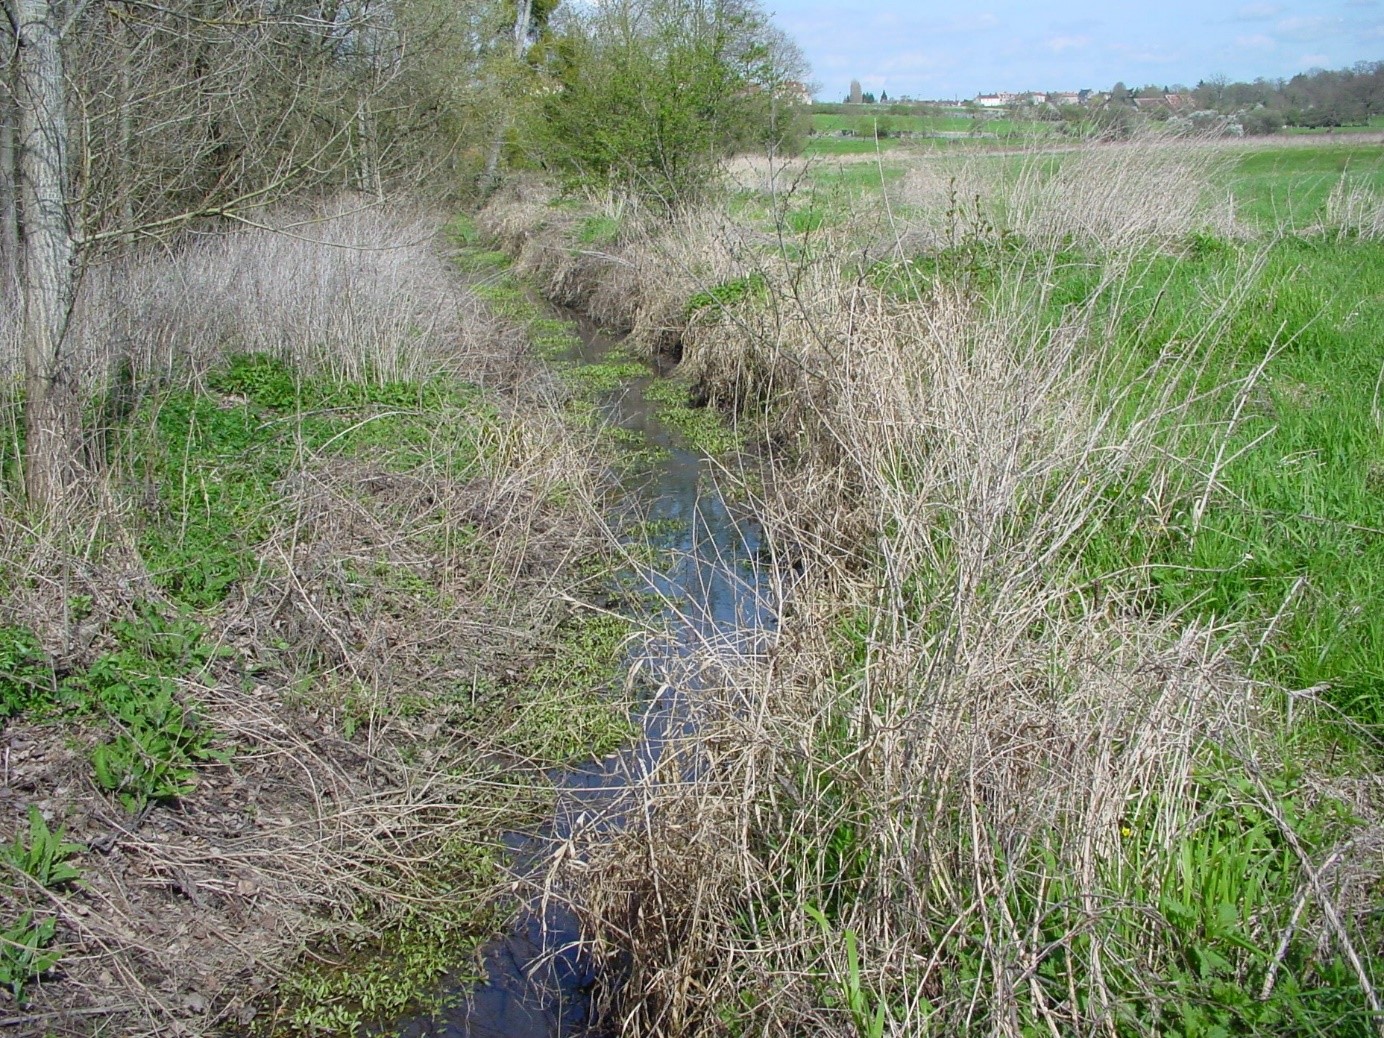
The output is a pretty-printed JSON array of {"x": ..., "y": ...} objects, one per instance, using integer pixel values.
[{"x": 538, "y": 983}]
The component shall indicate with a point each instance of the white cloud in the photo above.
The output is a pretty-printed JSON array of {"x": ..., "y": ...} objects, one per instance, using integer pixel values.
[
  {"x": 1152, "y": 55},
  {"x": 1058, "y": 44},
  {"x": 1310, "y": 61},
  {"x": 1257, "y": 12},
  {"x": 1257, "y": 41},
  {"x": 1313, "y": 28},
  {"x": 972, "y": 23}
]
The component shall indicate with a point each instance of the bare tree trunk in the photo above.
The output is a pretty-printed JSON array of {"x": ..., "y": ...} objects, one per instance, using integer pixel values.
[
  {"x": 48, "y": 271},
  {"x": 523, "y": 13},
  {"x": 368, "y": 178},
  {"x": 124, "y": 44},
  {"x": 9, "y": 191}
]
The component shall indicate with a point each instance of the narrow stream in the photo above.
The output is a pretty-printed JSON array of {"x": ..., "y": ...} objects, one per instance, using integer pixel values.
[{"x": 538, "y": 983}]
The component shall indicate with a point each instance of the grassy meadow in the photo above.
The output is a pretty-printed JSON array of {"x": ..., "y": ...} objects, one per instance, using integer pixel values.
[
  {"x": 1070, "y": 470},
  {"x": 1071, "y": 725},
  {"x": 879, "y": 130}
]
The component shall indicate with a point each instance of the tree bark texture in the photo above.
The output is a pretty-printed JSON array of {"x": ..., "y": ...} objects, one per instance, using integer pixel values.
[
  {"x": 523, "y": 14},
  {"x": 48, "y": 270},
  {"x": 9, "y": 191}
]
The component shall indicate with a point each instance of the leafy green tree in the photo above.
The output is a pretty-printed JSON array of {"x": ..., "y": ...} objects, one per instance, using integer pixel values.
[
  {"x": 649, "y": 97},
  {"x": 1262, "y": 121}
]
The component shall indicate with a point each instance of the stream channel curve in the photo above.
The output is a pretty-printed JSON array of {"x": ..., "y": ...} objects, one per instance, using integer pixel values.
[{"x": 538, "y": 982}]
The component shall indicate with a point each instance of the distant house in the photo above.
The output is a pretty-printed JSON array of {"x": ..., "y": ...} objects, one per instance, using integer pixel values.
[
  {"x": 795, "y": 91},
  {"x": 994, "y": 100},
  {"x": 1065, "y": 97},
  {"x": 1149, "y": 104}
]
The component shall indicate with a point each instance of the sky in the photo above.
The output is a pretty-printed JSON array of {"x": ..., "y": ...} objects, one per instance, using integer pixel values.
[{"x": 960, "y": 49}]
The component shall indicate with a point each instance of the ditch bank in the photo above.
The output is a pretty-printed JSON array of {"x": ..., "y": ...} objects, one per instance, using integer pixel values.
[
  {"x": 269, "y": 700},
  {"x": 976, "y": 741},
  {"x": 695, "y": 577}
]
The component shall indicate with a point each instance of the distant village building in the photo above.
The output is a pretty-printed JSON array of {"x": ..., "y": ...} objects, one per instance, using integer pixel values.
[
  {"x": 796, "y": 91},
  {"x": 1039, "y": 97}
]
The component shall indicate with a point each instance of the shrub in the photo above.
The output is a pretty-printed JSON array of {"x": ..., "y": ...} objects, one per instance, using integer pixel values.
[{"x": 651, "y": 100}]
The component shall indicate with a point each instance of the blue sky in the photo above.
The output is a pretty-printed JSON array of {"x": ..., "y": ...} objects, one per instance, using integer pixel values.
[{"x": 939, "y": 50}]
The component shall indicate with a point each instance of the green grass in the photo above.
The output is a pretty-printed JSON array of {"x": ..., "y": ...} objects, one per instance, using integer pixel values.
[
  {"x": 481, "y": 261},
  {"x": 399, "y": 967},
  {"x": 1292, "y": 547},
  {"x": 1300, "y": 520},
  {"x": 1296, "y": 524},
  {"x": 1287, "y": 187},
  {"x": 1294, "y": 529},
  {"x": 862, "y": 176},
  {"x": 865, "y": 124},
  {"x": 598, "y": 229},
  {"x": 850, "y": 145},
  {"x": 704, "y": 428},
  {"x": 1375, "y": 124},
  {"x": 218, "y": 457}
]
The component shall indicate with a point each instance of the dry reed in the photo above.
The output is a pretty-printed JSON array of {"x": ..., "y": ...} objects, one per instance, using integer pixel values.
[
  {"x": 348, "y": 288},
  {"x": 957, "y": 790},
  {"x": 1113, "y": 197},
  {"x": 1353, "y": 210}
]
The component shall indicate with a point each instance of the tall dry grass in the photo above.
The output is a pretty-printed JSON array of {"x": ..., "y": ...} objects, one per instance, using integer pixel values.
[
  {"x": 1353, "y": 210},
  {"x": 640, "y": 282},
  {"x": 969, "y": 785},
  {"x": 347, "y": 288},
  {"x": 1113, "y": 197}
]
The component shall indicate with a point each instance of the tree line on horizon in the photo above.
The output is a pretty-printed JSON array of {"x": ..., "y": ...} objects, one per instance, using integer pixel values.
[{"x": 1313, "y": 99}]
